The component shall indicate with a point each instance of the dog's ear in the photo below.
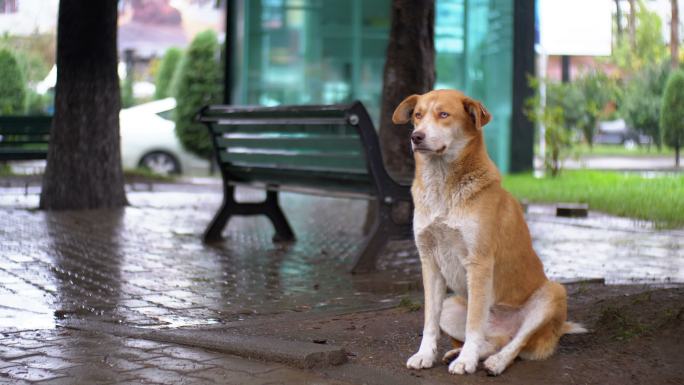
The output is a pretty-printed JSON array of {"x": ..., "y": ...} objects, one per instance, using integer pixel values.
[
  {"x": 403, "y": 112},
  {"x": 477, "y": 112}
]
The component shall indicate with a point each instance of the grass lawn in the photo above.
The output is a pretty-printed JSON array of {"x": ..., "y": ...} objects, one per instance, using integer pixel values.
[{"x": 659, "y": 199}]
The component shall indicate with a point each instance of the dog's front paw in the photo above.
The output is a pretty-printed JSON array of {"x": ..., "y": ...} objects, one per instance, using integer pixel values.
[
  {"x": 495, "y": 364},
  {"x": 465, "y": 363},
  {"x": 421, "y": 360}
]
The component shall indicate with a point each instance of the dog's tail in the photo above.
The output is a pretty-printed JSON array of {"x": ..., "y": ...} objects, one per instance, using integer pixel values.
[{"x": 573, "y": 328}]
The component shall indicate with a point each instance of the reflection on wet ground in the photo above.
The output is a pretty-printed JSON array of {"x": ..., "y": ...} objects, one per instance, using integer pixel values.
[{"x": 146, "y": 266}]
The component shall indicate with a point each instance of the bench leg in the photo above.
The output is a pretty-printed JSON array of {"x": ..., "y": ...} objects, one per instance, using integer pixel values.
[
  {"x": 375, "y": 242},
  {"x": 372, "y": 248},
  {"x": 230, "y": 207},
  {"x": 282, "y": 227},
  {"x": 218, "y": 223}
]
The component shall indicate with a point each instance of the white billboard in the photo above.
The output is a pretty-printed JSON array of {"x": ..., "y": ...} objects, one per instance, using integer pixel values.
[{"x": 576, "y": 27}]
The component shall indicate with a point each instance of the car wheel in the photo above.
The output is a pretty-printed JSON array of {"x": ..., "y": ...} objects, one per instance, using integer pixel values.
[{"x": 161, "y": 163}]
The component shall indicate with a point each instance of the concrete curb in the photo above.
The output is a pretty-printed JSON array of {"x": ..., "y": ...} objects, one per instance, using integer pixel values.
[{"x": 298, "y": 354}]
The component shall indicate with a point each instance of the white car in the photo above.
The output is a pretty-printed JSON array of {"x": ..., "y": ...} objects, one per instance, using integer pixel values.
[{"x": 148, "y": 140}]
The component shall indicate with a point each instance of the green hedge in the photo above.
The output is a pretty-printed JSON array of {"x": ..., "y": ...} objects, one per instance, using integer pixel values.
[{"x": 198, "y": 83}]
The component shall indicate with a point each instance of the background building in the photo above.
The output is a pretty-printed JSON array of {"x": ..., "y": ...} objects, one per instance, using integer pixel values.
[{"x": 27, "y": 17}]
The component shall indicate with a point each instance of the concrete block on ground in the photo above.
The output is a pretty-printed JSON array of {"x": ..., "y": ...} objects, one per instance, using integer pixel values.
[
  {"x": 295, "y": 353},
  {"x": 572, "y": 210}
]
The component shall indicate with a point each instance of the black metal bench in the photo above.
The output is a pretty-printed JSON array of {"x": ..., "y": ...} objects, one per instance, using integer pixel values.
[
  {"x": 24, "y": 137},
  {"x": 331, "y": 150}
]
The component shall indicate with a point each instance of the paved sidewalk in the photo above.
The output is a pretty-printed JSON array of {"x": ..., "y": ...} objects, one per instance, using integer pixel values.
[{"x": 145, "y": 266}]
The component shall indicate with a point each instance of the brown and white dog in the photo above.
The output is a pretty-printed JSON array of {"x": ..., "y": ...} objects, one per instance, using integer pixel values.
[{"x": 472, "y": 237}]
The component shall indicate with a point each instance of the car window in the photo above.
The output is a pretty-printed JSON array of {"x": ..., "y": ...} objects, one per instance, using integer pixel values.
[{"x": 168, "y": 114}]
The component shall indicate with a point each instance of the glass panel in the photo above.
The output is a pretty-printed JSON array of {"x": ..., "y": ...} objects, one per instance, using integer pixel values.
[
  {"x": 474, "y": 43},
  {"x": 313, "y": 51},
  {"x": 450, "y": 43}
]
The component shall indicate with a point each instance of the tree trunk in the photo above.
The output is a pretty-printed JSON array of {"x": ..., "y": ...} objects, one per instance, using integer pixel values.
[
  {"x": 409, "y": 69},
  {"x": 84, "y": 159},
  {"x": 618, "y": 17},
  {"x": 674, "y": 35},
  {"x": 631, "y": 25},
  {"x": 677, "y": 157}
]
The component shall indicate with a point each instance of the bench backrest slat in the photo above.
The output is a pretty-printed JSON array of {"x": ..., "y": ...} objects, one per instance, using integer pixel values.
[
  {"x": 304, "y": 145},
  {"x": 24, "y": 137}
]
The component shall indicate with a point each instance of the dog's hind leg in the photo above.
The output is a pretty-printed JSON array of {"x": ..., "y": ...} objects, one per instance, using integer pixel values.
[
  {"x": 544, "y": 314},
  {"x": 452, "y": 322}
]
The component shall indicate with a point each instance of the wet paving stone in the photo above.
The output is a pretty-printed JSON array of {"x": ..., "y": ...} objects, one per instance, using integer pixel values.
[
  {"x": 28, "y": 373},
  {"x": 143, "y": 344},
  {"x": 160, "y": 376},
  {"x": 45, "y": 362},
  {"x": 122, "y": 365},
  {"x": 198, "y": 355},
  {"x": 13, "y": 353},
  {"x": 97, "y": 374},
  {"x": 177, "y": 364}
]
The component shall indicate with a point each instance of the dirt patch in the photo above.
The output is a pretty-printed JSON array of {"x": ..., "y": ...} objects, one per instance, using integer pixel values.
[{"x": 636, "y": 338}]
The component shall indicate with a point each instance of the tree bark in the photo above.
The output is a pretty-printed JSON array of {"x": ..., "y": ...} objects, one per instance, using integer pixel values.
[
  {"x": 409, "y": 69},
  {"x": 84, "y": 159},
  {"x": 618, "y": 16},
  {"x": 632, "y": 24},
  {"x": 674, "y": 35}
]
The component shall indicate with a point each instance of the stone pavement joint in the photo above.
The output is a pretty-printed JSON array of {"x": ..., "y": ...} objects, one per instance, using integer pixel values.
[{"x": 295, "y": 353}]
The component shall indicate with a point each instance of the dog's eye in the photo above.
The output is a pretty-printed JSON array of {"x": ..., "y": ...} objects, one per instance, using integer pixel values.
[
  {"x": 443, "y": 115},
  {"x": 418, "y": 115}
]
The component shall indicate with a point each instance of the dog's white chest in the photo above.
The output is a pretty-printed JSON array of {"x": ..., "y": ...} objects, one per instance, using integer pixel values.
[
  {"x": 448, "y": 245},
  {"x": 450, "y": 256}
]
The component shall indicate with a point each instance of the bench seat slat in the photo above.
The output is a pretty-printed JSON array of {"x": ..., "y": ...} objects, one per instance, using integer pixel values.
[
  {"x": 318, "y": 129},
  {"x": 237, "y": 121},
  {"x": 20, "y": 143},
  {"x": 34, "y": 125},
  {"x": 321, "y": 144},
  {"x": 349, "y": 183},
  {"x": 303, "y": 162},
  {"x": 22, "y": 154},
  {"x": 6, "y": 131},
  {"x": 317, "y": 111}
]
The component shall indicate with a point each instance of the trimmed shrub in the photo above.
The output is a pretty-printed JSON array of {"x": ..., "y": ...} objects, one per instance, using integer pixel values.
[
  {"x": 12, "y": 85},
  {"x": 198, "y": 84},
  {"x": 167, "y": 68},
  {"x": 640, "y": 105},
  {"x": 672, "y": 112},
  {"x": 127, "y": 98}
]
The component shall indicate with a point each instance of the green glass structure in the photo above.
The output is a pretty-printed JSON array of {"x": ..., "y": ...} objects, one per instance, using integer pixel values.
[{"x": 333, "y": 51}]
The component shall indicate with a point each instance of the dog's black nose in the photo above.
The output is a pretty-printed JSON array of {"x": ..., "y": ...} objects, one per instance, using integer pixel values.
[{"x": 417, "y": 137}]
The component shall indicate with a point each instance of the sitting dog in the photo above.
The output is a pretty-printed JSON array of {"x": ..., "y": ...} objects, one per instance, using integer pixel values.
[{"x": 472, "y": 237}]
